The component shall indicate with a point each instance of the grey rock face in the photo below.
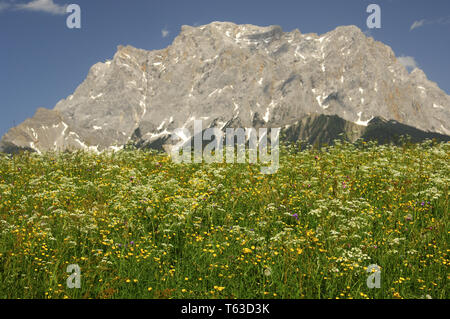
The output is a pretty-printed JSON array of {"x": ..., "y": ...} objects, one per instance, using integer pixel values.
[{"x": 232, "y": 75}]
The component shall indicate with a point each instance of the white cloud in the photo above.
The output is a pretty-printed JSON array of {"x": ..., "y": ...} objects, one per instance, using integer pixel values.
[
  {"x": 47, "y": 6},
  {"x": 164, "y": 32},
  {"x": 408, "y": 62},
  {"x": 421, "y": 23},
  {"x": 417, "y": 24}
]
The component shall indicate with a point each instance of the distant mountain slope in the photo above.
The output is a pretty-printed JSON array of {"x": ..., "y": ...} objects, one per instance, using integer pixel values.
[
  {"x": 324, "y": 129},
  {"x": 243, "y": 76}
]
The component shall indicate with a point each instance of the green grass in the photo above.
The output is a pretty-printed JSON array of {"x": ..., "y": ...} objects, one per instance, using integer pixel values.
[{"x": 141, "y": 226}]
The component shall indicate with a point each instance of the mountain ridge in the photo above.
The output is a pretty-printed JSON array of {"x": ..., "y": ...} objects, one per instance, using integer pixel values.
[{"x": 228, "y": 74}]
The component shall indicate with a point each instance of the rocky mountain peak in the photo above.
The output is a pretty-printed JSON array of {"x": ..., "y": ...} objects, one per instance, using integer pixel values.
[{"x": 241, "y": 76}]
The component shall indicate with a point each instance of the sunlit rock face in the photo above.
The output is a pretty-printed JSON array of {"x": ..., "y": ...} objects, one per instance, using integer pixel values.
[{"x": 314, "y": 87}]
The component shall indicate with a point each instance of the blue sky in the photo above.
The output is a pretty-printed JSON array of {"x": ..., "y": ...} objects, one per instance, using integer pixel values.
[{"x": 42, "y": 61}]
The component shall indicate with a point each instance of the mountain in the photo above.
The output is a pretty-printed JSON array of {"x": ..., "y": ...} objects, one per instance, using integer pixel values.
[{"x": 229, "y": 75}]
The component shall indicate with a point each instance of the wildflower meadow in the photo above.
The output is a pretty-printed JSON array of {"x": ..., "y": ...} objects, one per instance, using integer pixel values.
[{"x": 139, "y": 225}]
